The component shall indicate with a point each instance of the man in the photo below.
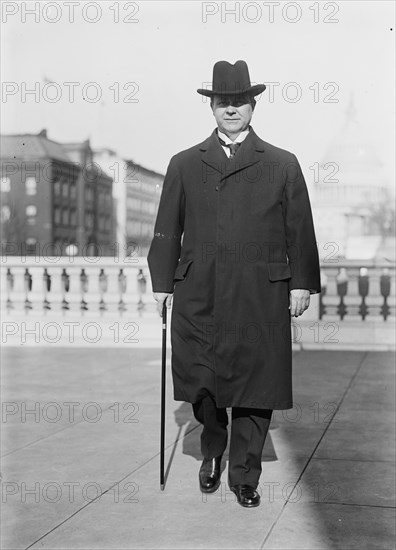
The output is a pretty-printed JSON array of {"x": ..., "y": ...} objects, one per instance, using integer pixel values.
[{"x": 234, "y": 246}]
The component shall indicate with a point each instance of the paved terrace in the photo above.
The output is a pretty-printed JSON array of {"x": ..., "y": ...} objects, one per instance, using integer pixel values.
[{"x": 86, "y": 475}]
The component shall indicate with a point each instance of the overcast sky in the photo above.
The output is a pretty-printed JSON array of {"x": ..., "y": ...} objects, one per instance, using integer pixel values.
[{"x": 169, "y": 52}]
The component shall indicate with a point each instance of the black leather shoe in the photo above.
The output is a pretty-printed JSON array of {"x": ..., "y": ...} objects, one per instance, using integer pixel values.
[
  {"x": 247, "y": 496},
  {"x": 209, "y": 474}
]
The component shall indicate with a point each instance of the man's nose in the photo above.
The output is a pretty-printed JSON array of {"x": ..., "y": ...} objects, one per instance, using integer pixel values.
[{"x": 231, "y": 110}]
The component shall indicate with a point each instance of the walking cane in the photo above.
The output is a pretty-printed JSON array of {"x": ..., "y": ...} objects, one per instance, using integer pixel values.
[{"x": 163, "y": 380}]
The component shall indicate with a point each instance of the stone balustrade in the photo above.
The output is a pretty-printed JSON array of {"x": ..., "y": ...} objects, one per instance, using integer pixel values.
[
  {"x": 75, "y": 284},
  {"x": 350, "y": 290}
]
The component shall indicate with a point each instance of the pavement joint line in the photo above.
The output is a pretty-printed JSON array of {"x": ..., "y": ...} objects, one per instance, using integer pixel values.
[
  {"x": 276, "y": 520},
  {"x": 175, "y": 442},
  {"x": 352, "y": 459},
  {"x": 358, "y": 505},
  {"x": 109, "y": 489},
  {"x": 72, "y": 425}
]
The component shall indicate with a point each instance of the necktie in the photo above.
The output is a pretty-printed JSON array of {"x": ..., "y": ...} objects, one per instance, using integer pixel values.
[{"x": 233, "y": 147}]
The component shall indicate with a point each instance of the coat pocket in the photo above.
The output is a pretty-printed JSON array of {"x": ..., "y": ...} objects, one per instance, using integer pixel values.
[
  {"x": 181, "y": 270},
  {"x": 279, "y": 271}
]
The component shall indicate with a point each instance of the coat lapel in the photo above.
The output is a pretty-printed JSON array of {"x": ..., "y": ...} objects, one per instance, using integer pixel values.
[
  {"x": 249, "y": 153},
  {"x": 213, "y": 154}
]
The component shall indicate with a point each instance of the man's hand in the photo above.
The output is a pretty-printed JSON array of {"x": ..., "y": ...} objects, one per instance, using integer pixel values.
[
  {"x": 159, "y": 297},
  {"x": 299, "y": 301}
]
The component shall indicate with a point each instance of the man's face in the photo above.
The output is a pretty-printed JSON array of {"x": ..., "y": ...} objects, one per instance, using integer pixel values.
[{"x": 232, "y": 113}]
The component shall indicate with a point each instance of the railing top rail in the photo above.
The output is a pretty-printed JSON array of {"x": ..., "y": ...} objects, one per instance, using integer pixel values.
[
  {"x": 141, "y": 261},
  {"x": 76, "y": 261},
  {"x": 357, "y": 264}
]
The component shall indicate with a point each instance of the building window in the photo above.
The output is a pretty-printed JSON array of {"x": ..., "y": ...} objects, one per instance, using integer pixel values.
[
  {"x": 65, "y": 188},
  {"x": 134, "y": 228},
  {"x": 73, "y": 190},
  {"x": 5, "y": 213},
  {"x": 89, "y": 219},
  {"x": 73, "y": 217},
  {"x": 57, "y": 216},
  {"x": 133, "y": 185},
  {"x": 89, "y": 194},
  {"x": 5, "y": 184},
  {"x": 65, "y": 216},
  {"x": 107, "y": 224},
  {"x": 57, "y": 188},
  {"x": 134, "y": 204},
  {"x": 148, "y": 229},
  {"x": 148, "y": 207},
  {"x": 31, "y": 186},
  {"x": 31, "y": 213}
]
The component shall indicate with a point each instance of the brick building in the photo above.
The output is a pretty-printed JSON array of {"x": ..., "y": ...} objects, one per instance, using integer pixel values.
[
  {"x": 143, "y": 192},
  {"x": 51, "y": 196},
  {"x": 136, "y": 192},
  {"x": 95, "y": 234}
]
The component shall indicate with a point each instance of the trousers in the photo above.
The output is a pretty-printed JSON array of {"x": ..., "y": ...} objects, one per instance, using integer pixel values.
[{"x": 249, "y": 428}]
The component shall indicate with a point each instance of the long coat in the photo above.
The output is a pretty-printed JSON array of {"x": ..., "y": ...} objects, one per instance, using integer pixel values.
[{"x": 231, "y": 239}]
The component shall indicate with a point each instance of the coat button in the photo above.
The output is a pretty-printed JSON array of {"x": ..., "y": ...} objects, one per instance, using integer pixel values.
[{"x": 217, "y": 187}]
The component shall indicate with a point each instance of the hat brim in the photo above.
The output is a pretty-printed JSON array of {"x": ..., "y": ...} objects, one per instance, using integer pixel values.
[{"x": 252, "y": 90}]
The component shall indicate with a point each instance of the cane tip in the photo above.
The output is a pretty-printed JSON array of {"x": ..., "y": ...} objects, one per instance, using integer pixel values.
[{"x": 162, "y": 486}]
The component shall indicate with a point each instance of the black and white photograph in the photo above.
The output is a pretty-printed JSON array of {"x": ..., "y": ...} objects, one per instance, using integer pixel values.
[{"x": 197, "y": 268}]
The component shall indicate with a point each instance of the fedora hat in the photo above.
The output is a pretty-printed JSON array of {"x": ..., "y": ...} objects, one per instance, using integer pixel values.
[{"x": 231, "y": 79}]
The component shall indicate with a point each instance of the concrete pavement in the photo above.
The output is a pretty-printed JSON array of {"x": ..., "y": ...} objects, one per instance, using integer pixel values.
[
  {"x": 80, "y": 440},
  {"x": 142, "y": 329}
]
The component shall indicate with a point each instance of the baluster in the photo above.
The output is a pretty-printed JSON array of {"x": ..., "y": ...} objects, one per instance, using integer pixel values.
[
  {"x": 102, "y": 289},
  {"x": 28, "y": 283},
  {"x": 65, "y": 279},
  {"x": 84, "y": 289},
  {"x": 10, "y": 288},
  {"x": 46, "y": 289},
  {"x": 323, "y": 284},
  {"x": 363, "y": 284},
  {"x": 342, "y": 290},
  {"x": 142, "y": 283},
  {"x": 385, "y": 286},
  {"x": 122, "y": 286}
]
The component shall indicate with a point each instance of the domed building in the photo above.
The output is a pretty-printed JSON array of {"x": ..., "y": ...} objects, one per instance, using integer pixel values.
[{"x": 349, "y": 195}]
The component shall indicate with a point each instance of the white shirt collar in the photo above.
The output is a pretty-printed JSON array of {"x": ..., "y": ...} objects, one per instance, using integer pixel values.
[{"x": 227, "y": 140}]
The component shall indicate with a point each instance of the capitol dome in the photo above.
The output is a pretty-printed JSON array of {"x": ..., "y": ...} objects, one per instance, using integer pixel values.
[
  {"x": 351, "y": 186},
  {"x": 352, "y": 172}
]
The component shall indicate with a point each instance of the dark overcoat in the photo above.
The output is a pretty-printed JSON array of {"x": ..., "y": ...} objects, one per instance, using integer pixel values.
[{"x": 231, "y": 238}]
